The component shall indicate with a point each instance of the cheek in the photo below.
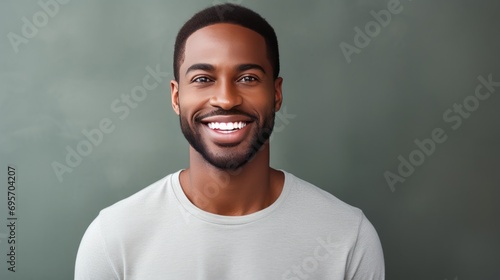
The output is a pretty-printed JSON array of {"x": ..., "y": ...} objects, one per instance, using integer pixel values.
[
  {"x": 262, "y": 103},
  {"x": 190, "y": 104}
]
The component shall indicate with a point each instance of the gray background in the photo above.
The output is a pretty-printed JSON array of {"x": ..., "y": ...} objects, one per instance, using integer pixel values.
[{"x": 351, "y": 122}]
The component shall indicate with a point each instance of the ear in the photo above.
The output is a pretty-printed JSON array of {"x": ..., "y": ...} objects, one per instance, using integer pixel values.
[
  {"x": 278, "y": 95},
  {"x": 174, "y": 94}
]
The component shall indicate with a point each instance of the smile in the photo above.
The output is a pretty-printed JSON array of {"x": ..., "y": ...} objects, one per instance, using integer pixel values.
[{"x": 226, "y": 126}]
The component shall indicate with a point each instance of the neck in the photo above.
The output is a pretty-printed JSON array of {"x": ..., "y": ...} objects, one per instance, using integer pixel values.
[{"x": 246, "y": 190}]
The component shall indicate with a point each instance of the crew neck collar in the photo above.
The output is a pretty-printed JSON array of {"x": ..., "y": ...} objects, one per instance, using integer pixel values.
[{"x": 222, "y": 219}]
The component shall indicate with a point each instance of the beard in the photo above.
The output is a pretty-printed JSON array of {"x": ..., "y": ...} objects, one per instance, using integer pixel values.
[{"x": 233, "y": 158}]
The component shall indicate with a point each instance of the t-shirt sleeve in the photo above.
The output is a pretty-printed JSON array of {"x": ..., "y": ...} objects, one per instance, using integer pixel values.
[
  {"x": 367, "y": 259},
  {"x": 92, "y": 260}
]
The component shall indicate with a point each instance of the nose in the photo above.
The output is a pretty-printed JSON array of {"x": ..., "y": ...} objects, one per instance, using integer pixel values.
[{"x": 225, "y": 95}]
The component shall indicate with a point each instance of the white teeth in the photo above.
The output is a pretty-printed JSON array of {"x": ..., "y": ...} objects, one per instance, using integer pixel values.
[{"x": 226, "y": 126}]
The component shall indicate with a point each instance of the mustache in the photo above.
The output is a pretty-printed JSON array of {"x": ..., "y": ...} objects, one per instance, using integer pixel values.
[{"x": 221, "y": 112}]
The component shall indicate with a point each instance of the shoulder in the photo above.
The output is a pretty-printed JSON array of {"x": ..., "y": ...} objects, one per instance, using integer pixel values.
[
  {"x": 315, "y": 198},
  {"x": 340, "y": 222},
  {"x": 110, "y": 234},
  {"x": 139, "y": 208},
  {"x": 322, "y": 211},
  {"x": 147, "y": 194}
]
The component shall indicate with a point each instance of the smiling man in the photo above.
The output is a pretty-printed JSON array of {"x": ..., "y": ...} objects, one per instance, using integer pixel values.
[{"x": 229, "y": 215}]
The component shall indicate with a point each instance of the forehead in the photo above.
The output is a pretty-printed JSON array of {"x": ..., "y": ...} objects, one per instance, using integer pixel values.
[{"x": 225, "y": 44}]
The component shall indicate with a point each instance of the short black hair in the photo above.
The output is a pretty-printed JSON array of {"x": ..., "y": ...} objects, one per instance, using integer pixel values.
[{"x": 227, "y": 13}]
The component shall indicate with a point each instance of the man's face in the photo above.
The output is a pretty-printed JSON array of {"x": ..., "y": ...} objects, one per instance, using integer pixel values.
[{"x": 226, "y": 96}]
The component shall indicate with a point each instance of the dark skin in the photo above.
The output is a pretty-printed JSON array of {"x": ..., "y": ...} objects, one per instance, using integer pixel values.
[{"x": 228, "y": 70}]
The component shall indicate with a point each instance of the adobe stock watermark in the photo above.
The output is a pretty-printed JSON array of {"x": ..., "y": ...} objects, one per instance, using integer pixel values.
[
  {"x": 311, "y": 263},
  {"x": 454, "y": 117},
  {"x": 29, "y": 29},
  {"x": 363, "y": 37},
  {"x": 121, "y": 107}
]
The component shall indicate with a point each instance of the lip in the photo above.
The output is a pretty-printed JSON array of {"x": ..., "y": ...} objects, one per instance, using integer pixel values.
[
  {"x": 227, "y": 138},
  {"x": 227, "y": 118}
]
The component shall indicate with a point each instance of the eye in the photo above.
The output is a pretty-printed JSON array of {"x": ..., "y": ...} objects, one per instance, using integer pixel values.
[
  {"x": 201, "y": 80},
  {"x": 248, "y": 79}
]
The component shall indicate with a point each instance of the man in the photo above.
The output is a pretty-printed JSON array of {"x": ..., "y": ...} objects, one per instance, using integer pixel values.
[{"x": 229, "y": 215}]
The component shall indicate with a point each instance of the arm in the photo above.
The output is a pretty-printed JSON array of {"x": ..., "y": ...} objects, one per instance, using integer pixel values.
[
  {"x": 92, "y": 261},
  {"x": 366, "y": 261}
]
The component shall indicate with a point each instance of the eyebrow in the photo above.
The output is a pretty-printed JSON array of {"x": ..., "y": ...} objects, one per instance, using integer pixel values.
[
  {"x": 210, "y": 68},
  {"x": 248, "y": 66},
  {"x": 200, "y": 66}
]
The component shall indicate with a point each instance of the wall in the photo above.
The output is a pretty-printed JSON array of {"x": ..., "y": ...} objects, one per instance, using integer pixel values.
[{"x": 361, "y": 90}]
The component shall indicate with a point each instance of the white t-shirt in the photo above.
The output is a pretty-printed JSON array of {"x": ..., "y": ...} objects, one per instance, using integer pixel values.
[{"x": 157, "y": 233}]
